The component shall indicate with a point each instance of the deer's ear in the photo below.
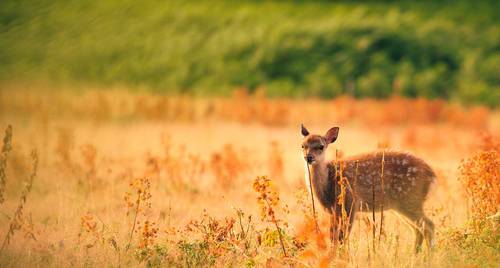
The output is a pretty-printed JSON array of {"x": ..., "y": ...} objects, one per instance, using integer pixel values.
[
  {"x": 304, "y": 130},
  {"x": 332, "y": 134}
]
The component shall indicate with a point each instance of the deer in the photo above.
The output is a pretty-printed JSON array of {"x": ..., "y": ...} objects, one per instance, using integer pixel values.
[{"x": 404, "y": 188}]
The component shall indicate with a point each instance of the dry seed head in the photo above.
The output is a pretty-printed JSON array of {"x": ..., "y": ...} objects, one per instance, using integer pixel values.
[
  {"x": 17, "y": 219},
  {"x": 139, "y": 192},
  {"x": 268, "y": 198},
  {"x": 6, "y": 148},
  {"x": 149, "y": 232},
  {"x": 88, "y": 222}
]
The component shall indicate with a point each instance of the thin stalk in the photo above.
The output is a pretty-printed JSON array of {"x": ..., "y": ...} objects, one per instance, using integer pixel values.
[
  {"x": 342, "y": 200},
  {"x": 312, "y": 199},
  {"x": 334, "y": 224},
  {"x": 273, "y": 219},
  {"x": 135, "y": 221},
  {"x": 281, "y": 238},
  {"x": 382, "y": 201},
  {"x": 374, "y": 231},
  {"x": 355, "y": 178}
]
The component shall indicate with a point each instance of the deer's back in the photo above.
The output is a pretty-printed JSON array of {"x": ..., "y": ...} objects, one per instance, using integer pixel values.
[{"x": 406, "y": 178}]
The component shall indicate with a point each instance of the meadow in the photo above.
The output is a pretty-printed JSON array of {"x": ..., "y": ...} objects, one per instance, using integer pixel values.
[
  {"x": 123, "y": 178},
  {"x": 167, "y": 133}
]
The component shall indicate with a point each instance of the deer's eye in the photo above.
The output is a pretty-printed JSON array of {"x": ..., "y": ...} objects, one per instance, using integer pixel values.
[
  {"x": 303, "y": 146},
  {"x": 321, "y": 147}
]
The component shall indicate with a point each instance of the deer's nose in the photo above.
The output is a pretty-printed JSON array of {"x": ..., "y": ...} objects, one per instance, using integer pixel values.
[{"x": 309, "y": 159}]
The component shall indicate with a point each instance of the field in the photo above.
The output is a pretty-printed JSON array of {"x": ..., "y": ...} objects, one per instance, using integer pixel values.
[
  {"x": 138, "y": 179},
  {"x": 167, "y": 133}
]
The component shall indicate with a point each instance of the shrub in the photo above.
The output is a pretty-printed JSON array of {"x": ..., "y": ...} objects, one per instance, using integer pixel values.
[{"x": 480, "y": 177}]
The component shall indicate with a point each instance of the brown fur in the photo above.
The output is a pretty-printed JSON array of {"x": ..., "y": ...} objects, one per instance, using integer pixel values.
[{"x": 407, "y": 181}]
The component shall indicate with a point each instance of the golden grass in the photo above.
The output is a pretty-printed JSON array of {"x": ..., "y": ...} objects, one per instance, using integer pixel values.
[{"x": 186, "y": 167}]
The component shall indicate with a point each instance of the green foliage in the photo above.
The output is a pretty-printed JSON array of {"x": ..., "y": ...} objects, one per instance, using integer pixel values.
[
  {"x": 270, "y": 238},
  {"x": 196, "y": 254},
  {"x": 476, "y": 246},
  {"x": 292, "y": 48},
  {"x": 157, "y": 256}
]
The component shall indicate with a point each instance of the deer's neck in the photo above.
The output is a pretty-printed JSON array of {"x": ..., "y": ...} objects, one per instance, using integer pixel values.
[{"x": 322, "y": 181}]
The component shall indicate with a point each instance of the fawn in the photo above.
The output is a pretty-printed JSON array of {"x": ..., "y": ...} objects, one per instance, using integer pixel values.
[{"x": 406, "y": 183}]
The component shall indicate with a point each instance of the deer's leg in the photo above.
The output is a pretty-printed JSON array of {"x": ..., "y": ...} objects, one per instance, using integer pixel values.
[
  {"x": 339, "y": 229},
  {"x": 419, "y": 236},
  {"x": 333, "y": 225},
  {"x": 429, "y": 232},
  {"x": 417, "y": 222}
]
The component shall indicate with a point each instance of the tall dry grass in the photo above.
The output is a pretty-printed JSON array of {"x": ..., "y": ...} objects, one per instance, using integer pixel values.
[
  {"x": 99, "y": 105},
  {"x": 194, "y": 203}
]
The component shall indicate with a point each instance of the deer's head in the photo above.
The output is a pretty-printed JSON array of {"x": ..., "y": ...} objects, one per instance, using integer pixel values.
[{"x": 314, "y": 146}]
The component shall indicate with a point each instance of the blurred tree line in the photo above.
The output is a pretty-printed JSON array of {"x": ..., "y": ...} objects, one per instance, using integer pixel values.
[{"x": 432, "y": 49}]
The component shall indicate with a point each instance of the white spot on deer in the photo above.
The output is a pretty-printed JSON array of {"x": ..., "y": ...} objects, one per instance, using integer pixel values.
[
  {"x": 413, "y": 183},
  {"x": 404, "y": 162}
]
